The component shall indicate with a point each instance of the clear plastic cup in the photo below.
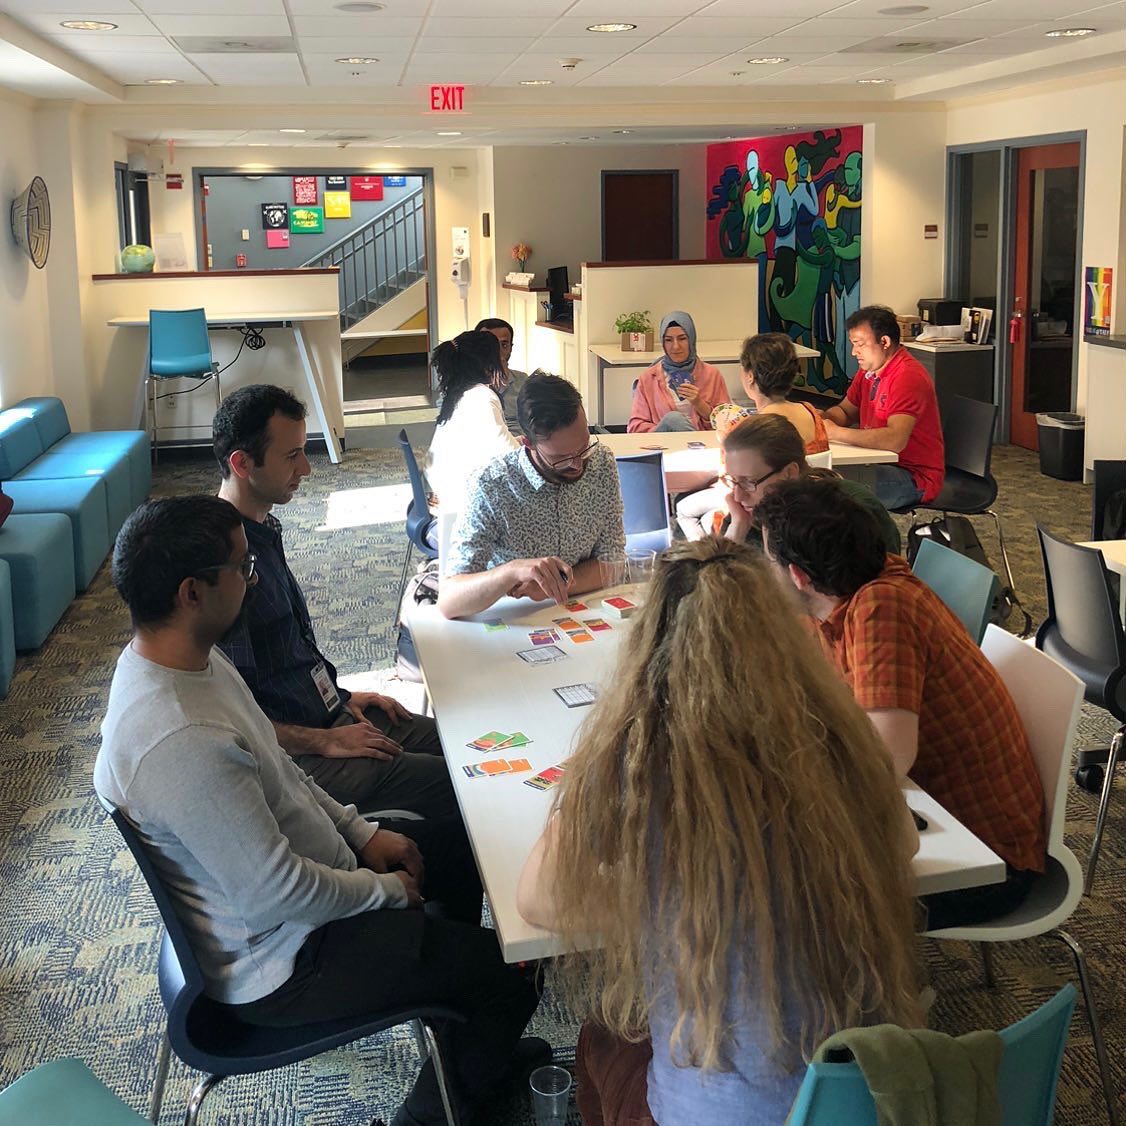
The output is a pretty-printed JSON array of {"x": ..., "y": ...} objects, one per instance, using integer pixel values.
[
  {"x": 640, "y": 565},
  {"x": 612, "y": 573},
  {"x": 551, "y": 1095}
]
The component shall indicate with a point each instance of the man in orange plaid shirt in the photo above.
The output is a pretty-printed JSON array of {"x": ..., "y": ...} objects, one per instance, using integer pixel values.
[{"x": 945, "y": 715}]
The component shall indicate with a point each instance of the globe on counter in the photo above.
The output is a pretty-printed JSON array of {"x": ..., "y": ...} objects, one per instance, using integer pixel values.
[{"x": 137, "y": 259}]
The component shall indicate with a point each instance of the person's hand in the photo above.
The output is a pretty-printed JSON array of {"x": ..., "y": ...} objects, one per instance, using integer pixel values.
[
  {"x": 414, "y": 899},
  {"x": 357, "y": 740},
  {"x": 834, "y": 432},
  {"x": 553, "y": 577},
  {"x": 689, "y": 392},
  {"x": 388, "y": 851},
  {"x": 528, "y": 590},
  {"x": 740, "y": 525},
  {"x": 359, "y": 702}
]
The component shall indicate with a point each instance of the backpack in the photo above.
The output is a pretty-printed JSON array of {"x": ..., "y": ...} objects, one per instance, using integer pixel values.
[
  {"x": 958, "y": 534},
  {"x": 423, "y": 587}
]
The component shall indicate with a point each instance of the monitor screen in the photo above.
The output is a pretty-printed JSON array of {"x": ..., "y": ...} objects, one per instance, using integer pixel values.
[{"x": 557, "y": 283}]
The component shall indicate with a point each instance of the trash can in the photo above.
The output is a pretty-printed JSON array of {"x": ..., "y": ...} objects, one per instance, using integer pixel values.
[{"x": 1061, "y": 445}]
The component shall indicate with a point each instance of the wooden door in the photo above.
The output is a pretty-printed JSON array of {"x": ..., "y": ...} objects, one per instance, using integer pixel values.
[
  {"x": 1045, "y": 276},
  {"x": 640, "y": 216}
]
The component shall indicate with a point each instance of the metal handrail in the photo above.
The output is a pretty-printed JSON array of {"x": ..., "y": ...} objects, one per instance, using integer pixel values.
[{"x": 379, "y": 259}]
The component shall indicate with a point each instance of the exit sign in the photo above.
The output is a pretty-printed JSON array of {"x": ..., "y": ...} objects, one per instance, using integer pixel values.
[{"x": 447, "y": 99}]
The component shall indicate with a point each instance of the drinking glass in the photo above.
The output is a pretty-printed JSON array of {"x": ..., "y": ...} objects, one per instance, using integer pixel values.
[
  {"x": 612, "y": 572},
  {"x": 551, "y": 1094},
  {"x": 640, "y": 565}
]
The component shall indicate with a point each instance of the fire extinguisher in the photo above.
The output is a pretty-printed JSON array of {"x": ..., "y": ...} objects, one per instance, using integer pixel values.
[
  {"x": 240, "y": 261},
  {"x": 1016, "y": 323}
]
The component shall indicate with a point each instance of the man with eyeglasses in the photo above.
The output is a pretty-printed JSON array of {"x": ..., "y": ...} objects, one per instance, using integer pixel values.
[
  {"x": 297, "y": 909},
  {"x": 514, "y": 380},
  {"x": 542, "y": 521},
  {"x": 361, "y": 747},
  {"x": 893, "y": 399}
]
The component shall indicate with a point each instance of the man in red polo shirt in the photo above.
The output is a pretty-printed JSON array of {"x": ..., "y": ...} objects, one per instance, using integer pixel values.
[
  {"x": 940, "y": 707},
  {"x": 893, "y": 399}
]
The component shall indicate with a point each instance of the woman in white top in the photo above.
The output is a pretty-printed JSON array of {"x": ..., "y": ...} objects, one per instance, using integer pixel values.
[{"x": 471, "y": 430}]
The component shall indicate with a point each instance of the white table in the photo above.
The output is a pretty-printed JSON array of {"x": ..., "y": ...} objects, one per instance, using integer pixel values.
[
  {"x": 689, "y": 469},
  {"x": 1114, "y": 556},
  {"x": 295, "y": 320},
  {"x": 478, "y": 684}
]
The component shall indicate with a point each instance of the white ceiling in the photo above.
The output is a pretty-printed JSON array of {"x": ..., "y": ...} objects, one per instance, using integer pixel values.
[{"x": 499, "y": 43}]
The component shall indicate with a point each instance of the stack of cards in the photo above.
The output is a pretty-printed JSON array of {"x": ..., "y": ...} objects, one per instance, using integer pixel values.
[
  {"x": 498, "y": 741},
  {"x": 618, "y": 607},
  {"x": 575, "y": 630},
  {"x": 496, "y": 766},
  {"x": 543, "y": 636},
  {"x": 546, "y": 779}
]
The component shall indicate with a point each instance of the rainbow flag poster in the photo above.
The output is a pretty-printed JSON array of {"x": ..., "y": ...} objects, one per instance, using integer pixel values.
[{"x": 1096, "y": 300}]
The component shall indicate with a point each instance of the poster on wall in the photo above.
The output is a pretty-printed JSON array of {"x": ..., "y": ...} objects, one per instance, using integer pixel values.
[
  {"x": 307, "y": 220},
  {"x": 792, "y": 204},
  {"x": 277, "y": 240},
  {"x": 394, "y": 181},
  {"x": 336, "y": 183},
  {"x": 304, "y": 190},
  {"x": 1097, "y": 285},
  {"x": 275, "y": 216},
  {"x": 338, "y": 205},
  {"x": 367, "y": 187}
]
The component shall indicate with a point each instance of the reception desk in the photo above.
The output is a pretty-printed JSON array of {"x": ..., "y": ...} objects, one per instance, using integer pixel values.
[
  {"x": 1105, "y": 437},
  {"x": 298, "y": 311}
]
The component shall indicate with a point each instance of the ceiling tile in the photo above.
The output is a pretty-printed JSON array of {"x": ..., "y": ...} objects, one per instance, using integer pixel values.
[
  {"x": 452, "y": 44},
  {"x": 736, "y": 9},
  {"x": 955, "y": 27},
  {"x": 487, "y": 9},
  {"x": 348, "y": 25},
  {"x": 47, "y": 23},
  {"x": 750, "y": 28},
  {"x": 608, "y": 46},
  {"x": 576, "y": 28},
  {"x": 138, "y": 69},
  {"x": 333, "y": 47},
  {"x": 251, "y": 70},
  {"x": 1024, "y": 11},
  {"x": 487, "y": 28},
  {"x": 216, "y": 7},
  {"x": 107, "y": 8},
  {"x": 392, "y": 9},
  {"x": 672, "y": 44},
  {"x": 594, "y": 11},
  {"x": 115, "y": 45}
]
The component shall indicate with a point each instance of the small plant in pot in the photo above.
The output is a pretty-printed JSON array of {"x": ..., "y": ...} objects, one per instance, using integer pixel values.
[{"x": 636, "y": 330}]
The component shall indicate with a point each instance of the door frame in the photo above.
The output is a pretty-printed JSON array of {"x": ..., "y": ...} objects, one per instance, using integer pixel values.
[
  {"x": 673, "y": 172},
  {"x": 1007, "y": 220}
]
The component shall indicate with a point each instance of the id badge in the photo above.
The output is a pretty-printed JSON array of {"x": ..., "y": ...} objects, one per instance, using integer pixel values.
[{"x": 325, "y": 686}]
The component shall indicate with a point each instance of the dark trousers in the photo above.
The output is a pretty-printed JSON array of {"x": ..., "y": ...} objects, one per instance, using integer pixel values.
[
  {"x": 385, "y": 960},
  {"x": 416, "y": 779},
  {"x": 978, "y": 905},
  {"x": 613, "y": 1079}
]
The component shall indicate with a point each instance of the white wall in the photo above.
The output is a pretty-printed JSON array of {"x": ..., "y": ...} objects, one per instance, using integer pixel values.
[
  {"x": 25, "y": 346},
  {"x": 1096, "y": 105}
]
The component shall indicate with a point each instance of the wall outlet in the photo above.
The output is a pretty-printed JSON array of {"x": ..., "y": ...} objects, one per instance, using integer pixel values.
[
  {"x": 246, "y": 234},
  {"x": 171, "y": 402}
]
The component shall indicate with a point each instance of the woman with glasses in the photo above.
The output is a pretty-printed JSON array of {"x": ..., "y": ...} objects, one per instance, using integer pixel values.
[
  {"x": 471, "y": 428},
  {"x": 680, "y": 391},
  {"x": 749, "y": 883},
  {"x": 766, "y": 449}
]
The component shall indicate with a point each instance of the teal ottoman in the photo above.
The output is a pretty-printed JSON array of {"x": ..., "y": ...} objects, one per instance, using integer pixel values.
[
  {"x": 7, "y": 630},
  {"x": 39, "y": 549},
  {"x": 83, "y": 501},
  {"x": 90, "y": 464}
]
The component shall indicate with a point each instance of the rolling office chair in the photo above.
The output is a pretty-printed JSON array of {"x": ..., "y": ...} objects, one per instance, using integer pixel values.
[
  {"x": 836, "y": 1094},
  {"x": 179, "y": 346},
  {"x": 967, "y": 588},
  {"x": 420, "y": 520},
  {"x": 1110, "y": 478},
  {"x": 970, "y": 487},
  {"x": 1084, "y": 634},
  {"x": 208, "y": 1039},
  {"x": 645, "y": 502}
]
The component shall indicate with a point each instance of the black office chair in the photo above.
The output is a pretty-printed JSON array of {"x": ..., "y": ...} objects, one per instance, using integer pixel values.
[
  {"x": 1110, "y": 478},
  {"x": 970, "y": 488},
  {"x": 208, "y": 1039},
  {"x": 420, "y": 520},
  {"x": 1084, "y": 633}
]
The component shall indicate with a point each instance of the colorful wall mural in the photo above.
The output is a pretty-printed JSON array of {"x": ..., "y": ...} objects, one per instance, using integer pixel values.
[{"x": 792, "y": 203}]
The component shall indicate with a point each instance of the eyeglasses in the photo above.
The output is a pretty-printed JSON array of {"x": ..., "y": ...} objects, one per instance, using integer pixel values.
[
  {"x": 247, "y": 566},
  {"x": 572, "y": 459},
  {"x": 748, "y": 484}
]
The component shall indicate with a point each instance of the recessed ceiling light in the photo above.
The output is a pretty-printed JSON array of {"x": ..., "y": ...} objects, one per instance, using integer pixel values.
[
  {"x": 449, "y": 133},
  {"x": 1070, "y": 32},
  {"x": 610, "y": 28},
  {"x": 736, "y": 73},
  {"x": 873, "y": 82},
  {"x": 904, "y": 10},
  {"x": 535, "y": 82},
  {"x": 162, "y": 82},
  {"x": 359, "y": 6},
  {"x": 257, "y": 144},
  {"x": 769, "y": 60},
  {"x": 622, "y": 132},
  {"x": 357, "y": 60},
  {"x": 291, "y": 130},
  {"x": 588, "y": 138},
  {"x": 88, "y": 25}
]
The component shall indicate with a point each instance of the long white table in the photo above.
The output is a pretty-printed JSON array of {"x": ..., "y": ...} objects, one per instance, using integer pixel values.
[
  {"x": 296, "y": 320},
  {"x": 1114, "y": 556},
  {"x": 688, "y": 469},
  {"x": 478, "y": 684}
]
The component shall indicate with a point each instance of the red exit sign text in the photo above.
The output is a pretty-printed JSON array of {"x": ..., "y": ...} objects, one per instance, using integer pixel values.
[{"x": 447, "y": 99}]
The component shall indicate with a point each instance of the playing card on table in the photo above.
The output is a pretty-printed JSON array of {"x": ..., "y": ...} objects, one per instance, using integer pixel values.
[
  {"x": 542, "y": 655},
  {"x": 568, "y": 625},
  {"x": 546, "y": 779},
  {"x": 543, "y": 636},
  {"x": 574, "y": 606},
  {"x": 596, "y": 624}
]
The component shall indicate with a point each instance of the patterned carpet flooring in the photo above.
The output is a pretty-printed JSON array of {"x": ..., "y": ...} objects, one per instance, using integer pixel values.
[{"x": 79, "y": 934}]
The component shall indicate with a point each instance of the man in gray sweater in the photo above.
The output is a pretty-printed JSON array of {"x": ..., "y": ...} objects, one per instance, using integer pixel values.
[{"x": 297, "y": 908}]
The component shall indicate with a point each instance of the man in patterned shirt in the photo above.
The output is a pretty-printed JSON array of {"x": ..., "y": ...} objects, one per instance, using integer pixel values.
[
  {"x": 542, "y": 520},
  {"x": 360, "y": 747},
  {"x": 941, "y": 708}
]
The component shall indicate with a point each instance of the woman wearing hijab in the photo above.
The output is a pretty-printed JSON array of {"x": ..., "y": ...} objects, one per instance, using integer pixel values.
[{"x": 680, "y": 391}]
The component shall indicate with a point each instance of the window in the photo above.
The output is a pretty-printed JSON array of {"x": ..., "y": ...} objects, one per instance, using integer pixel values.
[{"x": 132, "y": 206}]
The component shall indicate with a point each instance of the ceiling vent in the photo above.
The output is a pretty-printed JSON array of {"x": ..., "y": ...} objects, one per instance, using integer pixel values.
[
  {"x": 892, "y": 45},
  {"x": 252, "y": 45},
  {"x": 341, "y": 137}
]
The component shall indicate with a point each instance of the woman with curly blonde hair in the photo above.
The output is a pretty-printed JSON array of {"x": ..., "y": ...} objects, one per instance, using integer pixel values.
[{"x": 731, "y": 835}]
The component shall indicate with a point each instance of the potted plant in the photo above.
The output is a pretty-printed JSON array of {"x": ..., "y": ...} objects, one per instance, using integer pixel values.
[{"x": 636, "y": 331}]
